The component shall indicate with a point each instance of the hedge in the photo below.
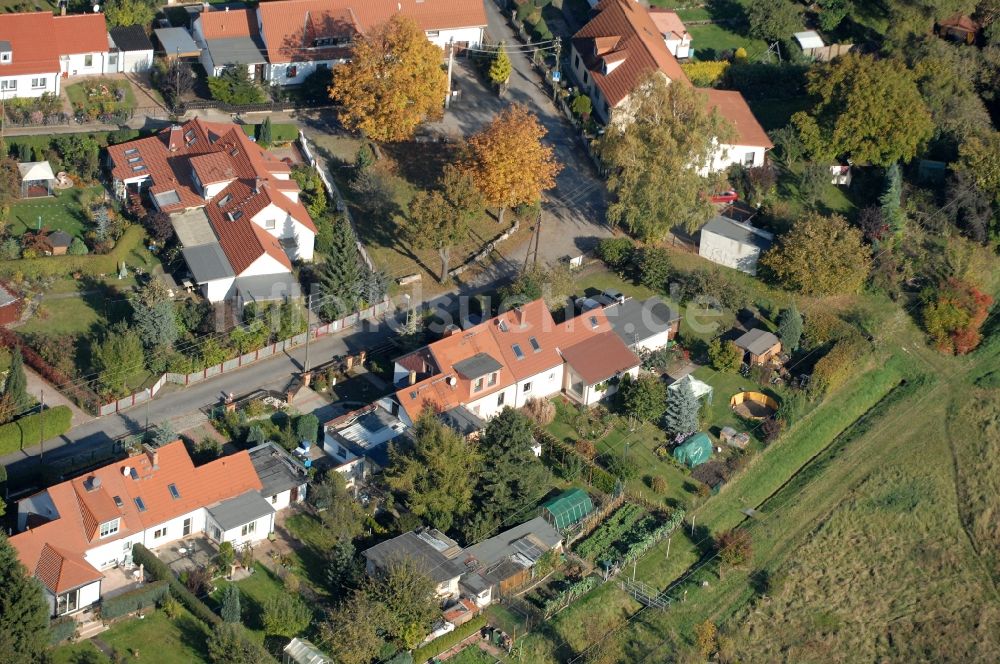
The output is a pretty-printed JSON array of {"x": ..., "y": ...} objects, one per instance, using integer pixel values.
[
  {"x": 134, "y": 600},
  {"x": 61, "y": 629},
  {"x": 705, "y": 73},
  {"x": 92, "y": 264},
  {"x": 159, "y": 570},
  {"x": 593, "y": 474},
  {"x": 29, "y": 431},
  {"x": 449, "y": 640},
  {"x": 81, "y": 396}
]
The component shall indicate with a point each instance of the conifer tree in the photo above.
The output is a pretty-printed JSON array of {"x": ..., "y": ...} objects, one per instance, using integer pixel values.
[
  {"x": 24, "y": 614},
  {"x": 790, "y": 328},
  {"x": 339, "y": 280},
  {"x": 17, "y": 383},
  {"x": 682, "y": 410},
  {"x": 231, "y": 604}
]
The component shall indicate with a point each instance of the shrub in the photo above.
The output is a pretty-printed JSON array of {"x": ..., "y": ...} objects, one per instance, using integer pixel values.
[
  {"x": 91, "y": 265},
  {"x": 658, "y": 485},
  {"x": 707, "y": 73},
  {"x": 616, "y": 252},
  {"x": 61, "y": 629},
  {"x": 158, "y": 569},
  {"x": 834, "y": 368},
  {"x": 725, "y": 357},
  {"x": 32, "y": 429},
  {"x": 586, "y": 449},
  {"x": 541, "y": 411},
  {"x": 442, "y": 643},
  {"x": 134, "y": 600},
  {"x": 524, "y": 11}
]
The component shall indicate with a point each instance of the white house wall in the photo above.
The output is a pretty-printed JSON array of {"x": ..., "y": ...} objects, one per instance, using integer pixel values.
[
  {"x": 89, "y": 594},
  {"x": 278, "y": 74},
  {"x": 76, "y": 64},
  {"x": 23, "y": 85},
  {"x": 264, "y": 525},
  {"x": 727, "y": 155},
  {"x": 136, "y": 61},
  {"x": 543, "y": 384},
  {"x": 488, "y": 406},
  {"x": 106, "y": 555},
  {"x": 217, "y": 290},
  {"x": 286, "y": 227},
  {"x": 655, "y": 342},
  {"x": 473, "y": 36},
  {"x": 266, "y": 264}
]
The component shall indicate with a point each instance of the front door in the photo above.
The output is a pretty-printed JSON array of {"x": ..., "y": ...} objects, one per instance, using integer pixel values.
[
  {"x": 295, "y": 494},
  {"x": 258, "y": 73}
]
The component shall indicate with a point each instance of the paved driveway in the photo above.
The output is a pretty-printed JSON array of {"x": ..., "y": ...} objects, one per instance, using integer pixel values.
[{"x": 574, "y": 213}]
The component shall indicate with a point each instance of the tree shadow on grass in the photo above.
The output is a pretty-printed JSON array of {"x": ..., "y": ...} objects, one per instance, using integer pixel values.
[{"x": 192, "y": 633}]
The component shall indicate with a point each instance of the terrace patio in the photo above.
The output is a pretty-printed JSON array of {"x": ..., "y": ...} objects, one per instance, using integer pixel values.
[{"x": 187, "y": 554}]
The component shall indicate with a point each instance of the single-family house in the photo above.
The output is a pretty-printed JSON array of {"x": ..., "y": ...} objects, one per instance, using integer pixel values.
[
  {"x": 72, "y": 533},
  {"x": 284, "y": 480},
  {"x": 233, "y": 205},
  {"x": 959, "y": 27},
  {"x": 479, "y": 573},
  {"x": 358, "y": 442},
  {"x": 429, "y": 550},
  {"x": 509, "y": 359},
  {"x": 230, "y": 37},
  {"x": 38, "y": 50},
  {"x": 734, "y": 244},
  {"x": 672, "y": 29},
  {"x": 643, "y": 324},
  {"x": 758, "y": 346},
  {"x": 620, "y": 47},
  {"x": 134, "y": 48}
]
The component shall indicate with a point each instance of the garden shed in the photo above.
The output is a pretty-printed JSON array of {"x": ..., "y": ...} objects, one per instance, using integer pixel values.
[
  {"x": 37, "y": 179},
  {"x": 300, "y": 651},
  {"x": 568, "y": 508},
  {"x": 694, "y": 451}
]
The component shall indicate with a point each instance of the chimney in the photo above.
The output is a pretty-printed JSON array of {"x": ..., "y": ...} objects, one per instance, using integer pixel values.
[
  {"x": 519, "y": 316},
  {"x": 257, "y": 184},
  {"x": 174, "y": 140},
  {"x": 413, "y": 377},
  {"x": 154, "y": 457},
  {"x": 62, "y": 9}
]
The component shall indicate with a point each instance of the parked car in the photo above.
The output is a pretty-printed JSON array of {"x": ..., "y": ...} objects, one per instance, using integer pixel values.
[{"x": 725, "y": 197}]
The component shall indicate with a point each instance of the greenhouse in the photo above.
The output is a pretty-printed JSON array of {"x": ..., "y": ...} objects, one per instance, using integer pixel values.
[
  {"x": 694, "y": 451},
  {"x": 567, "y": 508}
]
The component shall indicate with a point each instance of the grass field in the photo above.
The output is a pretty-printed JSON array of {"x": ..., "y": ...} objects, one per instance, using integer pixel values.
[
  {"x": 155, "y": 638},
  {"x": 709, "y": 41},
  {"x": 472, "y": 655},
  {"x": 61, "y": 212},
  {"x": 281, "y": 132}
]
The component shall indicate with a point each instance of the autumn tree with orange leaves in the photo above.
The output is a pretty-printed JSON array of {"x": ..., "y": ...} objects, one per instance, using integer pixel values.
[
  {"x": 954, "y": 314},
  {"x": 393, "y": 82},
  {"x": 508, "y": 161}
]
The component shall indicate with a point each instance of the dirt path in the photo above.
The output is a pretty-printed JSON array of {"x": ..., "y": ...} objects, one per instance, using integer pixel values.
[{"x": 39, "y": 387}]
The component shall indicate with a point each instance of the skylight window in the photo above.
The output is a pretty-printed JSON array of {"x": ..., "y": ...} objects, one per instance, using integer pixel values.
[
  {"x": 593, "y": 322},
  {"x": 132, "y": 151},
  {"x": 192, "y": 141},
  {"x": 118, "y": 502},
  {"x": 225, "y": 199},
  {"x": 139, "y": 167},
  {"x": 174, "y": 493},
  {"x": 132, "y": 160},
  {"x": 534, "y": 344},
  {"x": 518, "y": 353},
  {"x": 235, "y": 215},
  {"x": 189, "y": 134},
  {"x": 140, "y": 505},
  {"x": 503, "y": 326},
  {"x": 234, "y": 152}
]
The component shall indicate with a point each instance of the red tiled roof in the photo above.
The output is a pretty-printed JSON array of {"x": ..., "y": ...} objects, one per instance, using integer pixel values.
[
  {"x": 600, "y": 357},
  {"x": 242, "y": 240},
  {"x": 532, "y": 320},
  {"x": 625, "y": 29},
  {"x": 213, "y": 167},
  {"x": 731, "y": 105},
  {"x": 667, "y": 22},
  {"x": 70, "y": 534},
  {"x": 959, "y": 21},
  {"x": 37, "y": 40},
  {"x": 290, "y": 26},
  {"x": 228, "y": 24}
]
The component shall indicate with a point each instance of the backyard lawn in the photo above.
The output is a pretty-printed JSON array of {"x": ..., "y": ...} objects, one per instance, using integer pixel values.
[
  {"x": 709, "y": 41},
  {"x": 281, "y": 132},
  {"x": 473, "y": 655},
  {"x": 154, "y": 638},
  {"x": 61, "y": 212},
  {"x": 101, "y": 95}
]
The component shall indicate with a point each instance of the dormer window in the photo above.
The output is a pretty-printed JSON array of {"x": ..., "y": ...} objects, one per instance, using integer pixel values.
[
  {"x": 479, "y": 384},
  {"x": 6, "y": 57},
  {"x": 6, "y": 52},
  {"x": 109, "y": 528},
  {"x": 493, "y": 378}
]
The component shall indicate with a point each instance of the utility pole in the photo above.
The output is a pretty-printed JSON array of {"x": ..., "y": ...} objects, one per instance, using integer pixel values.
[
  {"x": 41, "y": 427},
  {"x": 451, "y": 65},
  {"x": 177, "y": 77},
  {"x": 555, "y": 72},
  {"x": 308, "y": 329}
]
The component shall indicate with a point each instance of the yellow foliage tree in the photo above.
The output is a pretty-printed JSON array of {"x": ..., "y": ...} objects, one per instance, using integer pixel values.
[
  {"x": 820, "y": 256},
  {"x": 705, "y": 74},
  {"x": 508, "y": 161},
  {"x": 393, "y": 82}
]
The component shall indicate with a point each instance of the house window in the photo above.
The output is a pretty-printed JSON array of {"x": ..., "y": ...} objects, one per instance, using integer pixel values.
[
  {"x": 37, "y": 83},
  {"x": 576, "y": 61},
  {"x": 518, "y": 353},
  {"x": 112, "y": 59},
  {"x": 109, "y": 528},
  {"x": 274, "y": 499},
  {"x": 292, "y": 71},
  {"x": 126, "y": 547},
  {"x": 500, "y": 399},
  {"x": 269, "y": 224},
  {"x": 748, "y": 159},
  {"x": 140, "y": 505},
  {"x": 68, "y": 602},
  {"x": 159, "y": 532},
  {"x": 186, "y": 527},
  {"x": 216, "y": 534},
  {"x": 527, "y": 388},
  {"x": 88, "y": 61},
  {"x": 493, "y": 379},
  {"x": 248, "y": 528},
  {"x": 8, "y": 85},
  {"x": 535, "y": 346},
  {"x": 5, "y": 57},
  {"x": 478, "y": 387},
  {"x": 431, "y": 34},
  {"x": 586, "y": 78}
]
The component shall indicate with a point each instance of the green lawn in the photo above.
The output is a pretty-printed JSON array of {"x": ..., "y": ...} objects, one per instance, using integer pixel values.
[
  {"x": 472, "y": 655},
  {"x": 709, "y": 41},
  {"x": 61, "y": 212},
  {"x": 724, "y": 386},
  {"x": 154, "y": 638},
  {"x": 78, "y": 95},
  {"x": 281, "y": 132},
  {"x": 255, "y": 590}
]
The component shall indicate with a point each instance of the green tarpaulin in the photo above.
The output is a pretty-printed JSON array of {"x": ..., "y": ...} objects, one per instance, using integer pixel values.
[{"x": 694, "y": 451}]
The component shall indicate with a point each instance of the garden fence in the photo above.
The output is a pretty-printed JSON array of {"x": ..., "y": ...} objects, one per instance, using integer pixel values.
[{"x": 239, "y": 361}]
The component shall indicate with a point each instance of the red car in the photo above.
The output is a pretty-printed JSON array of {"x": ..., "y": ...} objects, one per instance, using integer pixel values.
[{"x": 725, "y": 197}]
